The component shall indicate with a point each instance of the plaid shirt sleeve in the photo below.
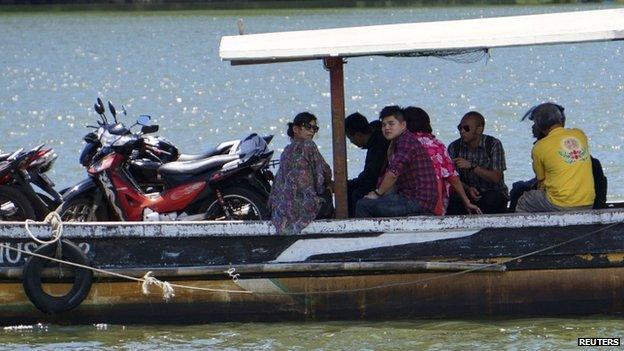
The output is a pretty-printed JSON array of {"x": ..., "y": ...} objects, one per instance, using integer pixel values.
[
  {"x": 403, "y": 150},
  {"x": 498, "y": 156}
]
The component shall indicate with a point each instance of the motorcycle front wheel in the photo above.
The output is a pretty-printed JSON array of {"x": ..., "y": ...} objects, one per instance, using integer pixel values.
[
  {"x": 81, "y": 209},
  {"x": 14, "y": 206},
  {"x": 243, "y": 204}
]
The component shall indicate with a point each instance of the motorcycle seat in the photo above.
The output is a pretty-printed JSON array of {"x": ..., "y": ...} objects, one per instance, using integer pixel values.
[
  {"x": 219, "y": 150},
  {"x": 195, "y": 167}
]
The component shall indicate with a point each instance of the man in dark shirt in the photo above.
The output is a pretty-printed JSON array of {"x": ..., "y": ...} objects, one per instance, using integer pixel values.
[
  {"x": 369, "y": 137},
  {"x": 480, "y": 160},
  {"x": 409, "y": 184}
]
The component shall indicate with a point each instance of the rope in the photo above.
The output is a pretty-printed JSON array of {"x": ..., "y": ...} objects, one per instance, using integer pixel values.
[
  {"x": 54, "y": 220},
  {"x": 168, "y": 291},
  {"x": 148, "y": 280},
  {"x": 119, "y": 275},
  {"x": 414, "y": 282}
]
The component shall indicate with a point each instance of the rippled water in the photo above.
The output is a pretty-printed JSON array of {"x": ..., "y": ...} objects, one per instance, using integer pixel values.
[
  {"x": 517, "y": 334},
  {"x": 54, "y": 65}
]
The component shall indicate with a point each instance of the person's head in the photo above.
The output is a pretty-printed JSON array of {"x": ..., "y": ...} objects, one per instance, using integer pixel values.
[
  {"x": 357, "y": 129},
  {"x": 303, "y": 127},
  {"x": 471, "y": 127},
  {"x": 392, "y": 122},
  {"x": 544, "y": 117},
  {"x": 417, "y": 120}
]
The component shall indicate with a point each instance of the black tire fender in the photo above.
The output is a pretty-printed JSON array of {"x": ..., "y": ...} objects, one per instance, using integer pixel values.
[{"x": 31, "y": 279}]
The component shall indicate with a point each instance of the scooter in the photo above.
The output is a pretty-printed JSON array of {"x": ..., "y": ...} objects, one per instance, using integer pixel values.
[
  {"x": 144, "y": 170},
  {"x": 231, "y": 186}
]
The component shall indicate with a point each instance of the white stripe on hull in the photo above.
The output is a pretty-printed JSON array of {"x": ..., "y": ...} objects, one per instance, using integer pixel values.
[{"x": 305, "y": 248}]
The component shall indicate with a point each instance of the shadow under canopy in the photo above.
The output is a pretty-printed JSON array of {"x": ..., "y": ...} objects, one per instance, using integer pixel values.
[{"x": 463, "y": 39}]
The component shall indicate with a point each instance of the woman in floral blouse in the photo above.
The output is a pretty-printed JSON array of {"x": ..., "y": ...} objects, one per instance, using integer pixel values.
[
  {"x": 302, "y": 187},
  {"x": 418, "y": 123}
]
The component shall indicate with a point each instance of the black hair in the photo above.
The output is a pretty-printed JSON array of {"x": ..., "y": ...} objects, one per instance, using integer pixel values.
[
  {"x": 392, "y": 110},
  {"x": 375, "y": 125},
  {"x": 476, "y": 115},
  {"x": 356, "y": 122},
  {"x": 417, "y": 119},
  {"x": 300, "y": 118}
]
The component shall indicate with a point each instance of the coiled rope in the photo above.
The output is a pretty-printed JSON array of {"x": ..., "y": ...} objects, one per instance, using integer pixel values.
[
  {"x": 168, "y": 291},
  {"x": 55, "y": 222}
]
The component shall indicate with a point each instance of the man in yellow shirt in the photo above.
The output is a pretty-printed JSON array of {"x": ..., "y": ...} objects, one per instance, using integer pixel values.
[{"x": 562, "y": 165}]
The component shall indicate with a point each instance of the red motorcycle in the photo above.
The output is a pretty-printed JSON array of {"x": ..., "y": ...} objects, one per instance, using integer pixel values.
[{"x": 231, "y": 186}]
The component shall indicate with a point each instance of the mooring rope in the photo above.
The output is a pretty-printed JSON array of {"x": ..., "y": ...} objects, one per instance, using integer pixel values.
[
  {"x": 56, "y": 223},
  {"x": 168, "y": 291},
  {"x": 146, "y": 279},
  {"x": 485, "y": 265},
  {"x": 54, "y": 220}
]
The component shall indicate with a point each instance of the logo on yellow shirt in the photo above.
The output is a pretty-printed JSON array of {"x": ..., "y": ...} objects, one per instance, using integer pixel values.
[{"x": 573, "y": 151}]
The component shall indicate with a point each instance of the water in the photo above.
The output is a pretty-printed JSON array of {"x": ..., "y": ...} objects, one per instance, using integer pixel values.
[
  {"x": 54, "y": 65},
  {"x": 519, "y": 334}
]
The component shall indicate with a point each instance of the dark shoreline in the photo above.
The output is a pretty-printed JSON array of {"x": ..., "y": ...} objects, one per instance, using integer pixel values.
[{"x": 157, "y": 5}]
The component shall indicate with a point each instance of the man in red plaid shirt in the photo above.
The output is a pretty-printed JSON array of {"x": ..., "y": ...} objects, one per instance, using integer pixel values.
[{"x": 409, "y": 184}]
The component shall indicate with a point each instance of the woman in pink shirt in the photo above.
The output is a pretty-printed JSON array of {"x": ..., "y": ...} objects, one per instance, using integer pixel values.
[{"x": 418, "y": 122}]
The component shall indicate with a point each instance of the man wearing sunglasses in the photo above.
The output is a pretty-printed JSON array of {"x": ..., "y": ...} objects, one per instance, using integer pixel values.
[{"x": 480, "y": 160}]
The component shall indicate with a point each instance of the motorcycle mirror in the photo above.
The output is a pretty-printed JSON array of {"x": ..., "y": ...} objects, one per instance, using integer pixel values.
[
  {"x": 98, "y": 109},
  {"x": 112, "y": 110},
  {"x": 123, "y": 109},
  {"x": 101, "y": 104},
  {"x": 144, "y": 120},
  {"x": 149, "y": 129}
]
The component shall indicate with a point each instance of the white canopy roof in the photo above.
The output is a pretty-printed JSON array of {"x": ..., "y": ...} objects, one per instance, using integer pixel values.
[{"x": 444, "y": 37}]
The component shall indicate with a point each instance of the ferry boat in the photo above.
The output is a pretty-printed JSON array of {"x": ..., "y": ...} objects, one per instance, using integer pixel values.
[{"x": 387, "y": 268}]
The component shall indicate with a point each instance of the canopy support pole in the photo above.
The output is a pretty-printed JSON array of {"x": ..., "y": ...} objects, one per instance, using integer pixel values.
[{"x": 336, "y": 81}]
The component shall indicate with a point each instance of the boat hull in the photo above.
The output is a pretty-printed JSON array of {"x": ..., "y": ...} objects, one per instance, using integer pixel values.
[
  {"x": 420, "y": 267},
  {"x": 378, "y": 296}
]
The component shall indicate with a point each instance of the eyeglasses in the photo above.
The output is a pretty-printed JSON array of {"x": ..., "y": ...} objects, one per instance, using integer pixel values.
[
  {"x": 311, "y": 127},
  {"x": 466, "y": 128}
]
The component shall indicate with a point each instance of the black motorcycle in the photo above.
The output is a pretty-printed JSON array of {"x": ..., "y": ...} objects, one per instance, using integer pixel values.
[{"x": 26, "y": 192}]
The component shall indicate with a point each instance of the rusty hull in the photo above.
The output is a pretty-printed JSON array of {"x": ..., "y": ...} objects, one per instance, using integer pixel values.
[{"x": 386, "y": 296}]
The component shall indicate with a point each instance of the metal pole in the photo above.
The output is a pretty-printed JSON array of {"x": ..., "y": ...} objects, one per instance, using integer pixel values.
[{"x": 336, "y": 80}]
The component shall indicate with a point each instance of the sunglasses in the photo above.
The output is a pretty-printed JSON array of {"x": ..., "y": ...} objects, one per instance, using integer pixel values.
[
  {"x": 308, "y": 126},
  {"x": 466, "y": 128}
]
